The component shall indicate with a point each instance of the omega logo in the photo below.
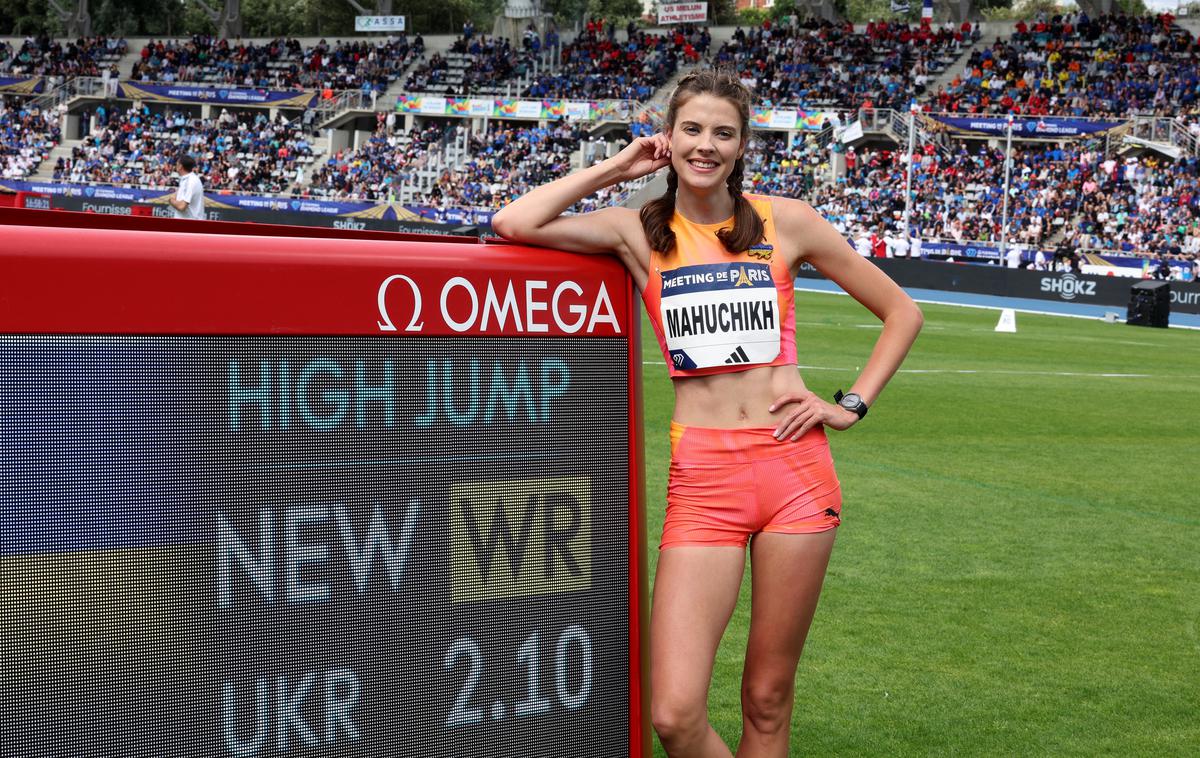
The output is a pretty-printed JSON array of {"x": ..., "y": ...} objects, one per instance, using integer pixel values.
[{"x": 529, "y": 306}]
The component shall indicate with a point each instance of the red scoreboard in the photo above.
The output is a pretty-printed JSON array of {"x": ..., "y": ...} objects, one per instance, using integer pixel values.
[{"x": 341, "y": 495}]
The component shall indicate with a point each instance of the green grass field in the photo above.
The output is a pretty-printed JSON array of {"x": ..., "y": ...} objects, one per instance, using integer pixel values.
[{"x": 1018, "y": 568}]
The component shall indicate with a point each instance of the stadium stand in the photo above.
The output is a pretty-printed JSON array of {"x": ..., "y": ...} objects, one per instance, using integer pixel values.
[
  {"x": 1141, "y": 205},
  {"x": 960, "y": 197},
  {"x": 1085, "y": 194},
  {"x": 1111, "y": 66},
  {"x": 474, "y": 65},
  {"x": 43, "y": 56},
  {"x": 500, "y": 165},
  {"x": 27, "y": 135},
  {"x": 595, "y": 66},
  {"x": 239, "y": 152},
  {"x": 279, "y": 64},
  {"x": 775, "y": 168},
  {"x": 822, "y": 64},
  {"x": 375, "y": 170},
  {"x": 1065, "y": 194}
]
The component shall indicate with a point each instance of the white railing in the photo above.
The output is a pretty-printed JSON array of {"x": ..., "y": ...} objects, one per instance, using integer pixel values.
[
  {"x": 76, "y": 86},
  {"x": 1168, "y": 131}
]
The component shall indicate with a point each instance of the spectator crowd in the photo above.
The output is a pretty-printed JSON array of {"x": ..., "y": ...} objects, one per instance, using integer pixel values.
[
  {"x": 44, "y": 56},
  {"x": 1072, "y": 65},
  {"x": 27, "y": 135},
  {"x": 1070, "y": 195},
  {"x": 278, "y": 64},
  {"x": 816, "y": 63},
  {"x": 237, "y": 152}
]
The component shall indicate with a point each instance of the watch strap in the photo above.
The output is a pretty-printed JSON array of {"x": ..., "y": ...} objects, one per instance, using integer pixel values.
[{"x": 860, "y": 409}]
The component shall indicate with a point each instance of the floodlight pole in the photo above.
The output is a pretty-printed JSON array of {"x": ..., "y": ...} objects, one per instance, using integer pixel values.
[
  {"x": 1007, "y": 175},
  {"x": 912, "y": 137}
]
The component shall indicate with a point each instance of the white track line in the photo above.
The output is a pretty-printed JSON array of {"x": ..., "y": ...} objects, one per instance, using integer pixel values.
[
  {"x": 1006, "y": 372},
  {"x": 993, "y": 307}
]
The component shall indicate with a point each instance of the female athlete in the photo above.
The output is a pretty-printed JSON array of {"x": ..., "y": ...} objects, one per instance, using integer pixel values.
[{"x": 750, "y": 463}]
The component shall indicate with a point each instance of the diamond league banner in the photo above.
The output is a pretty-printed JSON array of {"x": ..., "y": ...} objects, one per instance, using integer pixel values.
[
  {"x": 173, "y": 93},
  {"x": 976, "y": 250},
  {"x": 1046, "y": 126},
  {"x": 21, "y": 85}
]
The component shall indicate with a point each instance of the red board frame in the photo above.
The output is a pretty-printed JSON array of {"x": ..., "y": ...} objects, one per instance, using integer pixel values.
[{"x": 76, "y": 273}]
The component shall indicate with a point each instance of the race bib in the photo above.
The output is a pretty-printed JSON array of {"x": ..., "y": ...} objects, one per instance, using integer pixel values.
[{"x": 720, "y": 314}]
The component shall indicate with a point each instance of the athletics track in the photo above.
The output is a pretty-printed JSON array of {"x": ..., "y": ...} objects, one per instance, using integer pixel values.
[{"x": 1023, "y": 305}]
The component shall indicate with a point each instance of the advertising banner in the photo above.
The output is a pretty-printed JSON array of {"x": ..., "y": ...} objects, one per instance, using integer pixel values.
[
  {"x": 682, "y": 13},
  {"x": 173, "y": 93},
  {"x": 529, "y": 109},
  {"x": 1108, "y": 291},
  {"x": 970, "y": 250},
  {"x": 21, "y": 85},
  {"x": 789, "y": 118},
  {"x": 1026, "y": 128},
  {"x": 109, "y": 199},
  {"x": 289, "y": 218},
  {"x": 379, "y": 23},
  {"x": 574, "y": 110}
]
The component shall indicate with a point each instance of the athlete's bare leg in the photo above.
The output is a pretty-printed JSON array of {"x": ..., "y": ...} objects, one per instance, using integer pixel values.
[
  {"x": 695, "y": 591},
  {"x": 786, "y": 575}
]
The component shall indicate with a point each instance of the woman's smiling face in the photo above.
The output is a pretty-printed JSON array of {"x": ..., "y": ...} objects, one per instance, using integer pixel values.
[{"x": 706, "y": 141}]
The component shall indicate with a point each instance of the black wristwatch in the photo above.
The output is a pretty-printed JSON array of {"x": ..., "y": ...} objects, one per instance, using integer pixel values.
[{"x": 851, "y": 402}]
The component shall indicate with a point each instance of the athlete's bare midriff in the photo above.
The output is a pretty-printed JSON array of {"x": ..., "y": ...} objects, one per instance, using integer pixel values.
[{"x": 737, "y": 399}]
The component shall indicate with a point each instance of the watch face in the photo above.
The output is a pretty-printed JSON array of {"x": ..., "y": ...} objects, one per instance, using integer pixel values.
[{"x": 851, "y": 400}]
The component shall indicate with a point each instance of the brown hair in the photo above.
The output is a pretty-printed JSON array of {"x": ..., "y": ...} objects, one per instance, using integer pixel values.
[{"x": 656, "y": 215}]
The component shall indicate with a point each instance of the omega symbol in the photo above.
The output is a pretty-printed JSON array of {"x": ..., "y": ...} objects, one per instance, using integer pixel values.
[{"x": 386, "y": 324}]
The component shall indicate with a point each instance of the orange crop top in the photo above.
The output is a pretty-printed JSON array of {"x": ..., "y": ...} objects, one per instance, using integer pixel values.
[{"x": 715, "y": 311}]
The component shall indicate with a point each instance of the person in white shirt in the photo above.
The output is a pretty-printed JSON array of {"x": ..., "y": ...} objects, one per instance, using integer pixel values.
[
  {"x": 1039, "y": 261},
  {"x": 889, "y": 244},
  {"x": 899, "y": 246},
  {"x": 1013, "y": 256},
  {"x": 189, "y": 198},
  {"x": 863, "y": 243}
]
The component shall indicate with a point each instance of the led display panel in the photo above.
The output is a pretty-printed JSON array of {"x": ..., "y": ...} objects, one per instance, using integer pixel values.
[{"x": 375, "y": 544}]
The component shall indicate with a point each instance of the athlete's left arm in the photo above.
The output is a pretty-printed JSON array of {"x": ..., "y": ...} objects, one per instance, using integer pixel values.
[{"x": 806, "y": 237}]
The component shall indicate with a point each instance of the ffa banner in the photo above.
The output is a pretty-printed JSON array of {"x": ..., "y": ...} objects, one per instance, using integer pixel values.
[
  {"x": 21, "y": 85},
  {"x": 1027, "y": 128},
  {"x": 572, "y": 110},
  {"x": 787, "y": 118},
  {"x": 170, "y": 93}
]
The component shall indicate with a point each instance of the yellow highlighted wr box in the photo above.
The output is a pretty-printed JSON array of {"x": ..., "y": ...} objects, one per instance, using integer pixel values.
[{"x": 520, "y": 537}]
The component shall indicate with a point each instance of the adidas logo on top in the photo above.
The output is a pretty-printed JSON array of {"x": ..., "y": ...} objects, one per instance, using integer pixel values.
[{"x": 738, "y": 356}]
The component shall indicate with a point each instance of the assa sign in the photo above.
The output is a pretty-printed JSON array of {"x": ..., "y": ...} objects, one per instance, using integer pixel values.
[{"x": 1068, "y": 286}]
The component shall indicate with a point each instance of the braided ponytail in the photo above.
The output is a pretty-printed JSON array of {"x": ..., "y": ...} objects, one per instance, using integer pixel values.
[
  {"x": 656, "y": 216},
  {"x": 748, "y": 229}
]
